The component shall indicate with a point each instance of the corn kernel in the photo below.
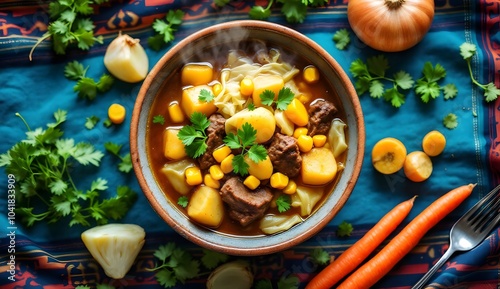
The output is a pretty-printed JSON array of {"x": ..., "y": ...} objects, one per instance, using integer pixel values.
[
  {"x": 279, "y": 181},
  {"x": 193, "y": 176},
  {"x": 246, "y": 87},
  {"x": 300, "y": 131},
  {"x": 251, "y": 182},
  {"x": 209, "y": 181},
  {"x": 221, "y": 153},
  {"x": 305, "y": 143},
  {"x": 216, "y": 89},
  {"x": 215, "y": 172},
  {"x": 310, "y": 74},
  {"x": 290, "y": 188},
  {"x": 319, "y": 140},
  {"x": 175, "y": 112},
  {"x": 227, "y": 164}
]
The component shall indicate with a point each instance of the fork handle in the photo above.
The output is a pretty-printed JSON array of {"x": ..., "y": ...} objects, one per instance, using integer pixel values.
[{"x": 428, "y": 275}]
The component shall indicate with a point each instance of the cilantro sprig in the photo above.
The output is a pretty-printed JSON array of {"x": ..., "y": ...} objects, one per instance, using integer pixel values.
[
  {"x": 205, "y": 95},
  {"x": 295, "y": 11},
  {"x": 43, "y": 165},
  {"x": 285, "y": 96},
  {"x": 428, "y": 86},
  {"x": 194, "y": 136},
  {"x": 70, "y": 26},
  {"x": 159, "y": 119},
  {"x": 345, "y": 229},
  {"x": 341, "y": 38},
  {"x": 283, "y": 203},
  {"x": 87, "y": 87},
  {"x": 91, "y": 121},
  {"x": 165, "y": 29},
  {"x": 491, "y": 92},
  {"x": 125, "y": 164},
  {"x": 245, "y": 140},
  {"x": 183, "y": 201},
  {"x": 320, "y": 256},
  {"x": 372, "y": 75},
  {"x": 175, "y": 265}
]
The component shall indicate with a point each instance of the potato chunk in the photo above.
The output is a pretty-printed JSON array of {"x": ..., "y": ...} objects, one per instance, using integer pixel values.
[
  {"x": 261, "y": 83},
  {"x": 173, "y": 148},
  {"x": 206, "y": 207},
  {"x": 191, "y": 102},
  {"x": 318, "y": 166}
]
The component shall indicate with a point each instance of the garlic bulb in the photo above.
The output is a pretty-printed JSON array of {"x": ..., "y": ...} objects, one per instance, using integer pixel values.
[
  {"x": 114, "y": 246},
  {"x": 126, "y": 59}
]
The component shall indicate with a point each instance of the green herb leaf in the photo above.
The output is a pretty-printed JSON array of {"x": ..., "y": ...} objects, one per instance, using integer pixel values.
[
  {"x": 295, "y": 11},
  {"x": 267, "y": 97},
  {"x": 160, "y": 119},
  {"x": 176, "y": 265},
  {"x": 126, "y": 162},
  {"x": 44, "y": 164},
  {"x": 290, "y": 282},
  {"x": 205, "y": 96},
  {"x": 285, "y": 97},
  {"x": 345, "y": 229},
  {"x": 450, "y": 121},
  {"x": 342, "y": 38},
  {"x": 245, "y": 139},
  {"x": 491, "y": 92},
  {"x": 283, "y": 203},
  {"x": 183, "y": 201},
  {"x": 165, "y": 29},
  {"x": 320, "y": 256},
  {"x": 450, "y": 91},
  {"x": 91, "y": 121},
  {"x": 259, "y": 12},
  {"x": 193, "y": 136}
]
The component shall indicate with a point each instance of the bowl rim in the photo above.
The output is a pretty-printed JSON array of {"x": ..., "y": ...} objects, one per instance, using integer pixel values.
[{"x": 279, "y": 244}]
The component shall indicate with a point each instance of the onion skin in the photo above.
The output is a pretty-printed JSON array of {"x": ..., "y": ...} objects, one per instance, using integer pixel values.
[{"x": 390, "y": 25}]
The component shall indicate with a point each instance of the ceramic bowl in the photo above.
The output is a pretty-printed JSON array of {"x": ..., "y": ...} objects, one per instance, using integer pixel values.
[{"x": 233, "y": 32}]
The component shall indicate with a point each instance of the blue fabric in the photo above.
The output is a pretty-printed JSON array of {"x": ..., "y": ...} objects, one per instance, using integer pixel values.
[{"x": 48, "y": 255}]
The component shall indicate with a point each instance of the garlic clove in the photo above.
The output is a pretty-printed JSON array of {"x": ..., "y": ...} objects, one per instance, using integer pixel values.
[
  {"x": 126, "y": 59},
  {"x": 114, "y": 246}
]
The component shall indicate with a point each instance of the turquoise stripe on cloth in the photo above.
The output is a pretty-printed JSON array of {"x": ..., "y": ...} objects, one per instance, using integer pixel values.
[{"x": 52, "y": 255}]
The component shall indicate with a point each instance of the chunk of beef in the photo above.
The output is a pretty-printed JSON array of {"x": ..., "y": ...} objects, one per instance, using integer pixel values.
[
  {"x": 321, "y": 113},
  {"x": 215, "y": 138},
  {"x": 284, "y": 154},
  {"x": 245, "y": 206}
]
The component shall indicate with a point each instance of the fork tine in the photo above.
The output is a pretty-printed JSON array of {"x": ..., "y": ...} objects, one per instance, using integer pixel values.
[{"x": 484, "y": 214}]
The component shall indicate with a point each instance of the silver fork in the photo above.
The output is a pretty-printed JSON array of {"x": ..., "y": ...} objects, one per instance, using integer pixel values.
[{"x": 470, "y": 230}]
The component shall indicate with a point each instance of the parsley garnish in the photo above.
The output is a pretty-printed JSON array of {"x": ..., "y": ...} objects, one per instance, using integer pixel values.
[
  {"x": 91, "y": 121},
  {"x": 341, "y": 38},
  {"x": 320, "y": 256},
  {"x": 428, "y": 88},
  {"x": 126, "y": 162},
  {"x": 160, "y": 119},
  {"x": 450, "y": 121},
  {"x": 43, "y": 164},
  {"x": 345, "y": 229},
  {"x": 244, "y": 139},
  {"x": 183, "y": 201},
  {"x": 165, "y": 29},
  {"x": 176, "y": 265},
  {"x": 107, "y": 123},
  {"x": 285, "y": 96},
  {"x": 491, "y": 92},
  {"x": 283, "y": 203},
  {"x": 193, "y": 136},
  {"x": 87, "y": 87},
  {"x": 370, "y": 77},
  {"x": 205, "y": 96},
  {"x": 70, "y": 25}
]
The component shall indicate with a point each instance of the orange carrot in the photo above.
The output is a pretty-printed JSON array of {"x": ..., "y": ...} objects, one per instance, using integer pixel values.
[
  {"x": 352, "y": 257},
  {"x": 377, "y": 267}
]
